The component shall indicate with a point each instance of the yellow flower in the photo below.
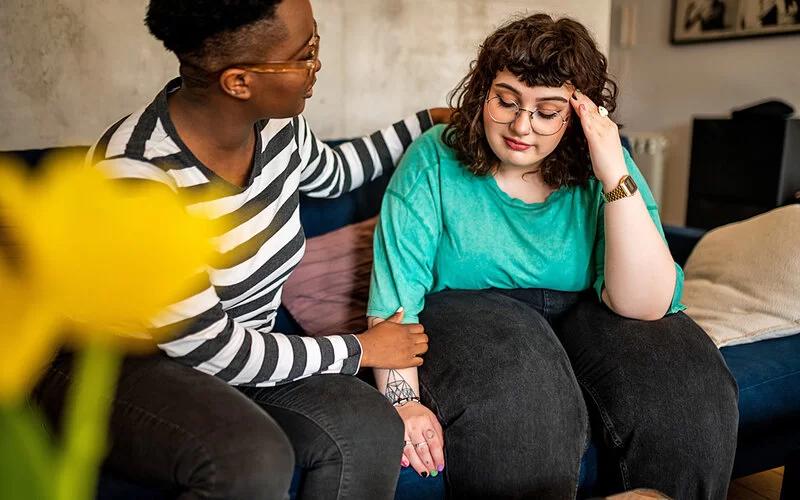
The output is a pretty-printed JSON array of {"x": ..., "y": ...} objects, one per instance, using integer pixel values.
[{"x": 89, "y": 256}]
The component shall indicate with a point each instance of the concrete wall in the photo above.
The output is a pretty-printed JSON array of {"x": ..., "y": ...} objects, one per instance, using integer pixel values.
[
  {"x": 69, "y": 68},
  {"x": 664, "y": 86}
]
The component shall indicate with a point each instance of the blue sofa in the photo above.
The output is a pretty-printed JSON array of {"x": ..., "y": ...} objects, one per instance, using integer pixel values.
[{"x": 768, "y": 373}]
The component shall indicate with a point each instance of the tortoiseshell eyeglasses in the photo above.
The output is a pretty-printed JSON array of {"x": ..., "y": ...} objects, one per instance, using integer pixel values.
[{"x": 309, "y": 64}]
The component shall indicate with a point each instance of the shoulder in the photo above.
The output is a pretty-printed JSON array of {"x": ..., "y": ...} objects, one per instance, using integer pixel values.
[
  {"x": 139, "y": 146},
  {"x": 431, "y": 145},
  {"x": 424, "y": 163}
]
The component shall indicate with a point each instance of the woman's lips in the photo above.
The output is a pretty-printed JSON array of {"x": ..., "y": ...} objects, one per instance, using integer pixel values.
[{"x": 516, "y": 145}]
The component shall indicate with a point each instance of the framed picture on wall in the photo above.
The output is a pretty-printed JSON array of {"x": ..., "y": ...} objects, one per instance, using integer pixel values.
[{"x": 696, "y": 21}]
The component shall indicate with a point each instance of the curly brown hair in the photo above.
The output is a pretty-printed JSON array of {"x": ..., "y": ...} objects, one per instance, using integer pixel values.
[{"x": 541, "y": 51}]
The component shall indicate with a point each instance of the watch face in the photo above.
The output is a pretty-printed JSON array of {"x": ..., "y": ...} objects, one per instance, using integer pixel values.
[{"x": 630, "y": 185}]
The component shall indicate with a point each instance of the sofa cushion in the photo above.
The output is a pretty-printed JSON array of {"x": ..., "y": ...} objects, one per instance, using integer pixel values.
[
  {"x": 327, "y": 293},
  {"x": 768, "y": 376},
  {"x": 742, "y": 279}
]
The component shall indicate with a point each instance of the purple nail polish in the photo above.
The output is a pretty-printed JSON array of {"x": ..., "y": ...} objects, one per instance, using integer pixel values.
[{"x": 440, "y": 468}]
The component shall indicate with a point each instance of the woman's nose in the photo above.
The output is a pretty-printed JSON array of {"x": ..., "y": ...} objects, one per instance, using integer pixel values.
[{"x": 522, "y": 123}]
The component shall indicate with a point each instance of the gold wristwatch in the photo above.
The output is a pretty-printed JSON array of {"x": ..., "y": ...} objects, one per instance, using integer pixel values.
[{"x": 626, "y": 187}]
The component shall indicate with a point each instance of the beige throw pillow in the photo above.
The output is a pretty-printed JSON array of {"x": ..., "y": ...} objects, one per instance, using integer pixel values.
[{"x": 743, "y": 280}]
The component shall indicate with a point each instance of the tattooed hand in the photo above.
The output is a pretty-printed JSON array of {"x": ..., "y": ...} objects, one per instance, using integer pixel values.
[
  {"x": 424, "y": 449},
  {"x": 424, "y": 443},
  {"x": 392, "y": 345}
]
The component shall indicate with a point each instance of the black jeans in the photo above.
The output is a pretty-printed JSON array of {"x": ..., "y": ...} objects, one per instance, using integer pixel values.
[
  {"x": 511, "y": 374},
  {"x": 173, "y": 426}
]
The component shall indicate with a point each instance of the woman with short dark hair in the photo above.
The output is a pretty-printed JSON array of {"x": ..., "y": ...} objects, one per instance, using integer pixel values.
[{"x": 228, "y": 137}]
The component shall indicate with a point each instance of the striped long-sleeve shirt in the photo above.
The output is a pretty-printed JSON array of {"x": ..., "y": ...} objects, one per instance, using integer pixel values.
[{"x": 226, "y": 328}]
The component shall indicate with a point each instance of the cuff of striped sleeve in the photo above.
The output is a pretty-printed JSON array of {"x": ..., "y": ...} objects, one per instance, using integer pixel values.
[
  {"x": 425, "y": 120},
  {"x": 355, "y": 351}
]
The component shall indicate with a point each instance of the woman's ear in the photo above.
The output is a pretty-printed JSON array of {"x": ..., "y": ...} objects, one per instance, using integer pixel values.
[{"x": 234, "y": 82}]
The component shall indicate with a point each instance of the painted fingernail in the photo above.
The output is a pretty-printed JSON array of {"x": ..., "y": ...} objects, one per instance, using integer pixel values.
[
  {"x": 583, "y": 107},
  {"x": 424, "y": 474},
  {"x": 577, "y": 91},
  {"x": 434, "y": 473},
  {"x": 440, "y": 468},
  {"x": 404, "y": 463}
]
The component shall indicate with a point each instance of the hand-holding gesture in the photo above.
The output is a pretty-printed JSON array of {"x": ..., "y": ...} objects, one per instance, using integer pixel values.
[
  {"x": 391, "y": 344},
  {"x": 602, "y": 134}
]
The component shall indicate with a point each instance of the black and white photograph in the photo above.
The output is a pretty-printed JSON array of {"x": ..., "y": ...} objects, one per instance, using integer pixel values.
[{"x": 711, "y": 20}]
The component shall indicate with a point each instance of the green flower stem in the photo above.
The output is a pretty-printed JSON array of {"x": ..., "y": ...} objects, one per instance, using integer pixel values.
[{"x": 86, "y": 425}]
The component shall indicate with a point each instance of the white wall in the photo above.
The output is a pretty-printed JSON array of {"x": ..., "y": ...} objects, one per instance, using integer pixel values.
[
  {"x": 663, "y": 86},
  {"x": 69, "y": 68}
]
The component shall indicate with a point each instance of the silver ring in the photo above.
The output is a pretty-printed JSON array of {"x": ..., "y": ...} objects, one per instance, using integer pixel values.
[
  {"x": 603, "y": 111},
  {"x": 406, "y": 443},
  {"x": 420, "y": 445}
]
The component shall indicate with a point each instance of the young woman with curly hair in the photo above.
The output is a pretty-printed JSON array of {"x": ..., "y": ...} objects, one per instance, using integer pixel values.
[{"x": 526, "y": 241}]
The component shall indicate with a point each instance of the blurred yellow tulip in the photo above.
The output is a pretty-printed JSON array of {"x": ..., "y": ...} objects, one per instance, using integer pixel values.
[{"x": 89, "y": 256}]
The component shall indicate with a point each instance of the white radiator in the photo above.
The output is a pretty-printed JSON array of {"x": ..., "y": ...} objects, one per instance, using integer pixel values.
[{"x": 649, "y": 152}]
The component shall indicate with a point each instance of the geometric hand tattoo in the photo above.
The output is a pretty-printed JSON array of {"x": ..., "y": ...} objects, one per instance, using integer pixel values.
[{"x": 397, "y": 388}]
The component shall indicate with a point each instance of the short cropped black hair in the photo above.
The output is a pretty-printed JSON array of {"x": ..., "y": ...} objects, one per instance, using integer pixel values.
[{"x": 203, "y": 32}]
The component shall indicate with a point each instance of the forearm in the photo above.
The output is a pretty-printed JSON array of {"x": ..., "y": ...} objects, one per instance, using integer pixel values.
[
  {"x": 639, "y": 270},
  {"x": 395, "y": 384},
  {"x": 216, "y": 344},
  {"x": 329, "y": 172}
]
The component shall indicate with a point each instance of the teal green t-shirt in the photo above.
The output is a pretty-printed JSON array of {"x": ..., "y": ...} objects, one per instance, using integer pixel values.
[{"x": 441, "y": 227}]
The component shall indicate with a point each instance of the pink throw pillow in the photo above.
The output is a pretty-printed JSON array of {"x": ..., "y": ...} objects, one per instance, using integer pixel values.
[{"x": 328, "y": 292}]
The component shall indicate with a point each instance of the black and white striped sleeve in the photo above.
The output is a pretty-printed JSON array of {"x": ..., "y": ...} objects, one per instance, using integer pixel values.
[
  {"x": 212, "y": 342},
  {"x": 329, "y": 172},
  {"x": 198, "y": 331}
]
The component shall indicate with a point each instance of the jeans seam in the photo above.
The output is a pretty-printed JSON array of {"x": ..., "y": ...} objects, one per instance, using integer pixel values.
[
  {"x": 322, "y": 428},
  {"x": 586, "y": 442},
  {"x": 130, "y": 406},
  {"x": 545, "y": 305},
  {"x": 609, "y": 425}
]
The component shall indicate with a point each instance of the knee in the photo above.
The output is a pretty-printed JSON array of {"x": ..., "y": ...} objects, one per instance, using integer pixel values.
[
  {"x": 695, "y": 411},
  {"x": 374, "y": 427},
  {"x": 253, "y": 459},
  {"x": 271, "y": 465}
]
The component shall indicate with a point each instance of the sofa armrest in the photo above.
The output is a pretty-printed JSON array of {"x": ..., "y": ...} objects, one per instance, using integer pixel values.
[{"x": 681, "y": 241}]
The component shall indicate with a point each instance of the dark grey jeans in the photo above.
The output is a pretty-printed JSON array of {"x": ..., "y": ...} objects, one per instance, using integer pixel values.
[
  {"x": 512, "y": 375},
  {"x": 175, "y": 427}
]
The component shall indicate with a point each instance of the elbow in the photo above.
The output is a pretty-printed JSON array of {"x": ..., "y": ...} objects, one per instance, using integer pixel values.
[
  {"x": 651, "y": 315},
  {"x": 639, "y": 310},
  {"x": 642, "y": 314}
]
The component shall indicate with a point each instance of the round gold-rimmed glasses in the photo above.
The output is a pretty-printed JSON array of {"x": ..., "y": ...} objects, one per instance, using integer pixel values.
[
  {"x": 309, "y": 64},
  {"x": 543, "y": 121}
]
